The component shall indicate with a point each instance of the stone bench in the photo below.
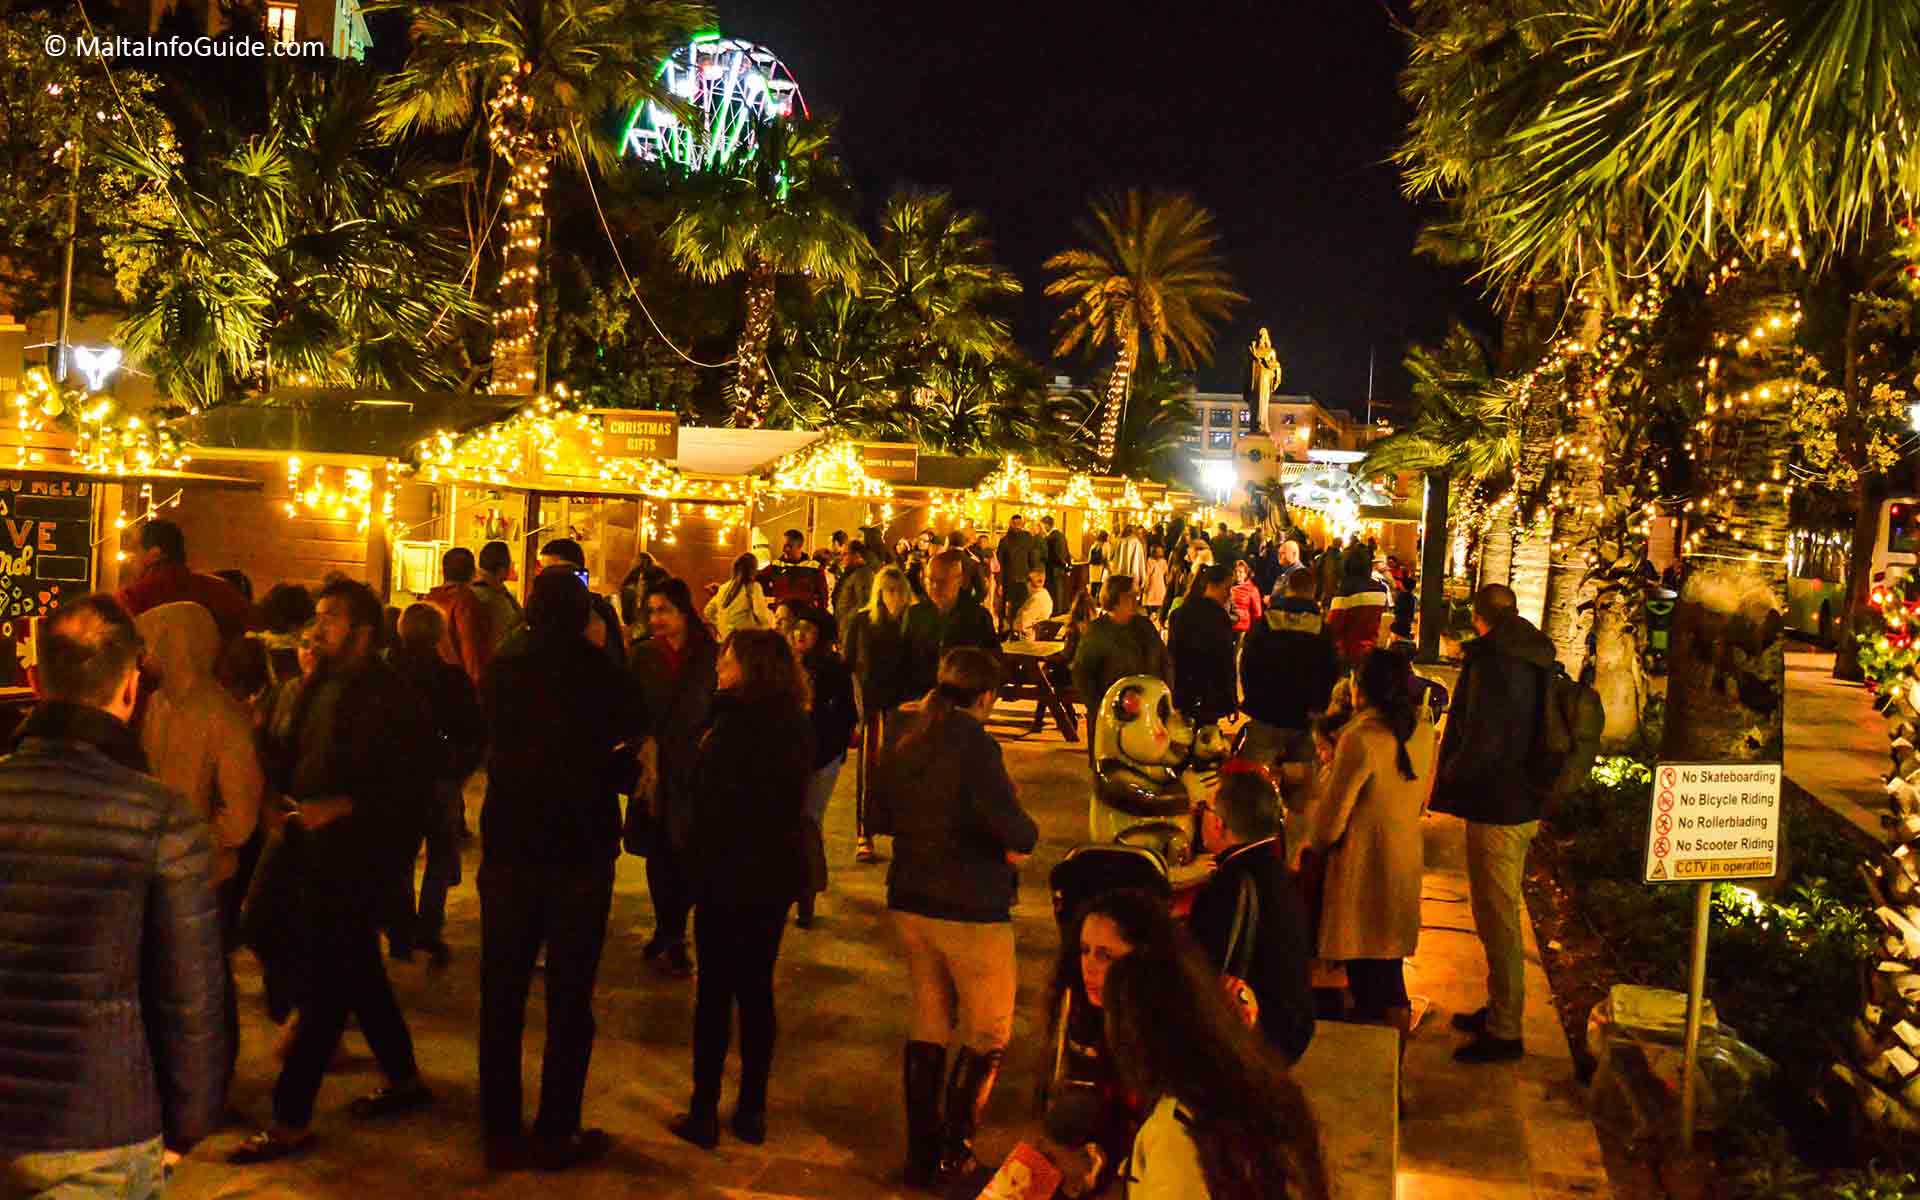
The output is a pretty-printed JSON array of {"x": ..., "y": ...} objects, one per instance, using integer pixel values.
[{"x": 1351, "y": 1074}]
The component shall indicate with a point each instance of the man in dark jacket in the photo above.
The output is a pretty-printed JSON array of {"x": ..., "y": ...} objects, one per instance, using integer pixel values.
[
  {"x": 113, "y": 1044},
  {"x": 353, "y": 763},
  {"x": 1059, "y": 563},
  {"x": 1018, "y": 554},
  {"x": 1484, "y": 778},
  {"x": 850, "y": 595},
  {"x": 943, "y": 620},
  {"x": 1201, "y": 639},
  {"x": 568, "y": 553},
  {"x": 795, "y": 576},
  {"x": 557, "y": 710},
  {"x": 1287, "y": 673},
  {"x": 1241, "y": 828}
]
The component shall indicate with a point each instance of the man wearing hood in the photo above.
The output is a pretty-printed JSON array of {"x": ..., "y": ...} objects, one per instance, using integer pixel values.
[
  {"x": 1483, "y": 777},
  {"x": 1287, "y": 673},
  {"x": 1360, "y": 608},
  {"x": 199, "y": 740}
]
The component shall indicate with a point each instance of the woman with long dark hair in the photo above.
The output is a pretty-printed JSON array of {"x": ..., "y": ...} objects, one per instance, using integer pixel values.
[
  {"x": 877, "y": 653},
  {"x": 959, "y": 839},
  {"x": 1082, "y": 1093},
  {"x": 674, "y": 669},
  {"x": 1365, "y": 819},
  {"x": 1225, "y": 1121},
  {"x": 746, "y": 862}
]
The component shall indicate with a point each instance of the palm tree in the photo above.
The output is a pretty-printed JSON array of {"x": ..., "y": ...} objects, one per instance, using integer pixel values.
[
  {"x": 1150, "y": 271},
  {"x": 934, "y": 277},
  {"x": 1462, "y": 428},
  {"x": 1159, "y": 419},
  {"x": 1743, "y": 128},
  {"x": 782, "y": 212},
  {"x": 300, "y": 254},
  {"x": 544, "y": 75}
]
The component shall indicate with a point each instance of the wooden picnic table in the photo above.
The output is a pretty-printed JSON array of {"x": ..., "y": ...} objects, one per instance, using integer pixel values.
[{"x": 1027, "y": 679}]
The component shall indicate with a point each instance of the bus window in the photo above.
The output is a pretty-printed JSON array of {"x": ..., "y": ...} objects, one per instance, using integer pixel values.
[{"x": 1903, "y": 529}]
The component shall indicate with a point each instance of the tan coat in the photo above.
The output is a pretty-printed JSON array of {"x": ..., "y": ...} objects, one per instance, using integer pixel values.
[
  {"x": 1365, "y": 816},
  {"x": 197, "y": 737}
]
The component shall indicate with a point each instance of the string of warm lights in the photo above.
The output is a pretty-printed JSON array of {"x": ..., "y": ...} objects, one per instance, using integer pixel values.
[
  {"x": 833, "y": 464},
  {"x": 349, "y": 497},
  {"x": 527, "y": 154}
]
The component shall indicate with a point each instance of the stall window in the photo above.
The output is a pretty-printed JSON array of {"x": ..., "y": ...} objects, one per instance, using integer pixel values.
[{"x": 282, "y": 20}]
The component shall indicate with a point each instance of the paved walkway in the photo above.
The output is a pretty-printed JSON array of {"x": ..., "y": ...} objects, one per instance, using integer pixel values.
[
  {"x": 1491, "y": 1133},
  {"x": 1503, "y": 1132},
  {"x": 1836, "y": 742}
]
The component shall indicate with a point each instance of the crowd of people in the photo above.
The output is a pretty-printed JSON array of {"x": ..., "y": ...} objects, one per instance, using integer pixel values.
[{"x": 212, "y": 774}]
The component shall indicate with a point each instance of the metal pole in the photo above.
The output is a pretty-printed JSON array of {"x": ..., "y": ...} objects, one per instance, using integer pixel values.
[
  {"x": 1696, "y": 986},
  {"x": 66, "y": 270}
]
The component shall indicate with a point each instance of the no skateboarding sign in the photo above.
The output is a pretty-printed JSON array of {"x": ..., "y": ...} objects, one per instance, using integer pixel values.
[{"x": 1713, "y": 821}]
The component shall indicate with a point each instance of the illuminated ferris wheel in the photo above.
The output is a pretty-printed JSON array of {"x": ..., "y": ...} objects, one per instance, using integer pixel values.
[{"x": 733, "y": 87}]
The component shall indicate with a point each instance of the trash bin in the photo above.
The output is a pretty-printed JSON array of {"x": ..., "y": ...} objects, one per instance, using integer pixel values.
[{"x": 1660, "y": 604}]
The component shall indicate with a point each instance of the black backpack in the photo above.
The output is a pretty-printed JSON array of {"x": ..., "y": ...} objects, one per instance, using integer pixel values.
[{"x": 1572, "y": 718}]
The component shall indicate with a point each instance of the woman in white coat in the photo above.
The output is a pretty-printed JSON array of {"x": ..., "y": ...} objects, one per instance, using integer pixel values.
[{"x": 742, "y": 603}]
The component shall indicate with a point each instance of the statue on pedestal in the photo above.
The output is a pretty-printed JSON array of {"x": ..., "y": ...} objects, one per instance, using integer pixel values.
[{"x": 1263, "y": 376}]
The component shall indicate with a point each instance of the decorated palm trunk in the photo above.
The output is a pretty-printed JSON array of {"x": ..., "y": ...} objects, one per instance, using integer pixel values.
[
  {"x": 516, "y": 320},
  {"x": 1116, "y": 403},
  {"x": 1880, "y": 1080},
  {"x": 1726, "y": 693},
  {"x": 750, "y": 372}
]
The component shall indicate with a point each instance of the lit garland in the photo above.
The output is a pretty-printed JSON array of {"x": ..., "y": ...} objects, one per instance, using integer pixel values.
[
  {"x": 534, "y": 440},
  {"x": 1079, "y": 493},
  {"x": 832, "y": 464},
  {"x": 517, "y": 320},
  {"x": 102, "y": 445},
  {"x": 349, "y": 499},
  {"x": 1715, "y": 438},
  {"x": 148, "y": 511},
  {"x": 1010, "y": 481}
]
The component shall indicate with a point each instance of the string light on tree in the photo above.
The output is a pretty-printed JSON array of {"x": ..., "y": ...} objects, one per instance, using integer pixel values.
[{"x": 527, "y": 154}]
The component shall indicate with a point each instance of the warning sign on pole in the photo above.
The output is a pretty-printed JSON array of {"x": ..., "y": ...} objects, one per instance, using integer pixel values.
[{"x": 1713, "y": 821}]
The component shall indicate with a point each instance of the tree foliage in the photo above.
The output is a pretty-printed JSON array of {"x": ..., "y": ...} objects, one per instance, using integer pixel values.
[{"x": 299, "y": 255}]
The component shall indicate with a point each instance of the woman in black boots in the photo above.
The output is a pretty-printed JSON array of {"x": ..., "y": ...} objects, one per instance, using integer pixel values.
[
  {"x": 959, "y": 838},
  {"x": 746, "y": 861}
]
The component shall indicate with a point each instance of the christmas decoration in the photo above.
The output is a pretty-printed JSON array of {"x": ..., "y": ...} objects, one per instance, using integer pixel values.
[{"x": 526, "y": 153}]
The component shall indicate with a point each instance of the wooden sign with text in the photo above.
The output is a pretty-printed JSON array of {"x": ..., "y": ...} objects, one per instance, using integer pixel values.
[
  {"x": 894, "y": 462},
  {"x": 46, "y": 545},
  {"x": 632, "y": 433}
]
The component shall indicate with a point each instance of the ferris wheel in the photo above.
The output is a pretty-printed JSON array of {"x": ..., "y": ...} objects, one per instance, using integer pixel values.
[{"x": 733, "y": 87}]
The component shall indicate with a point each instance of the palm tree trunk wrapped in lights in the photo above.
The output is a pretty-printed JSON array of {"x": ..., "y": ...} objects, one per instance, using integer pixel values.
[
  {"x": 516, "y": 321},
  {"x": 750, "y": 373},
  {"x": 1725, "y": 699},
  {"x": 1117, "y": 384}
]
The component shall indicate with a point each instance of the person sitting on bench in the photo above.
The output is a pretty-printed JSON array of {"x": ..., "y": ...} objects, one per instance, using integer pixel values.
[{"x": 1265, "y": 941}]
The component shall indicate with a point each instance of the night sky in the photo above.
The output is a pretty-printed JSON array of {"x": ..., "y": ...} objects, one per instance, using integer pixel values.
[{"x": 1278, "y": 117}]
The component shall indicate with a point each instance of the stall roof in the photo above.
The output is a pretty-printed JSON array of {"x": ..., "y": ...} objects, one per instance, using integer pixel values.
[
  {"x": 151, "y": 475},
  {"x": 705, "y": 451},
  {"x": 317, "y": 422}
]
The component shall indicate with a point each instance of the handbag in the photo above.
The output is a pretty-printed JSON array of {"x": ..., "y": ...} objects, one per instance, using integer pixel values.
[
  {"x": 641, "y": 833},
  {"x": 1239, "y": 956}
]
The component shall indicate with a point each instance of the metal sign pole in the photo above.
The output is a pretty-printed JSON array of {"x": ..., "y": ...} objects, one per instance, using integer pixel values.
[{"x": 1696, "y": 986}]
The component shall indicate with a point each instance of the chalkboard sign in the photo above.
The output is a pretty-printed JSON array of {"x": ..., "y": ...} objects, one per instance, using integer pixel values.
[{"x": 46, "y": 554}]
